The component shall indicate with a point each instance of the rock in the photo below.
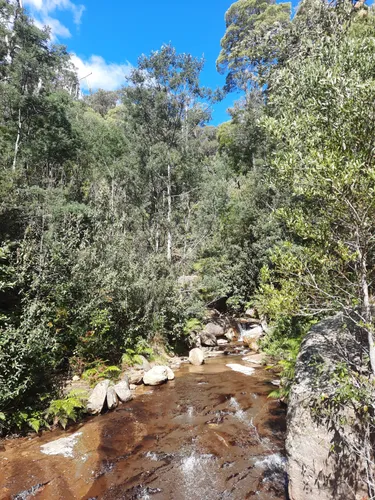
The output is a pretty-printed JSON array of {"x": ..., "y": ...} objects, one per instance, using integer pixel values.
[
  {"x": 256, "y": 359},
  {"x": 252, "y": 344},
  {"x": 175, "y": 362},
  {"x": 135, "y": 377},
  {"x": 222, "y": 341},
  {"x": 252, "y": 321},
  {"x": 276, "y": 382},
  {"x": 98, "y": 396},
  {"x": 230, "y": 335},
  {"x": 251, "y": 337},
  {"x": 196, "y": 357},
  {"x": 145, "y": 365},
  {"x": 321, "y": 461},
  {"x": 123, "y": 391},
  {"x": 214, "y": 329},
  {"x": 207, "y": 339},
  {"x": 156, "y": 376},
  {"x": 125, "y": 378},
  {"x": 171, "y": 375},
  {"x": 76, "y": 378},
  {"x": 265, "y": 327},
  {"x": 251, "y": 312},
  {"x": 132, "y": 387},
  {"x": 112, "y": 400},
  {"x": 211, "y": 314},
  {"x": 255, "y": 331}
]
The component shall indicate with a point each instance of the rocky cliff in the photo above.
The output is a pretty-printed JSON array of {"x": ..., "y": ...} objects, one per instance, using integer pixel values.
[{"x": 321, "y": 461}]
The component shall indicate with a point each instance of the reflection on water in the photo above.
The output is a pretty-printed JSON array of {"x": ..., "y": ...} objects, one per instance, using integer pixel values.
[{"x": 209, "y": 434}]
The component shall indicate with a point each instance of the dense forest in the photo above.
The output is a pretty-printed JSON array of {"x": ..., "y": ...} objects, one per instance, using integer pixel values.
[{"x": 123, "y": 214}]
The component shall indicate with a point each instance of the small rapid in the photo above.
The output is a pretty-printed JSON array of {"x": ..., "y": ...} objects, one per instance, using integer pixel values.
[{"x": 210, "y": 434}]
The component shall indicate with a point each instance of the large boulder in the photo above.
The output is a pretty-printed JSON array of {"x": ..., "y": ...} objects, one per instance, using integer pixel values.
[
  {"x": 196, "y": 357},
  {"x": 97, "y": 398},
  {"x": 123, "y": 391},
  {"x": 214, "y": 329},
  {"x": 208, "y": 339},
  {"x": 112, "y": 399},
  {"x": 324, "y": 450},
  {"x": 156, "y": 376},
  {"x": 251, "y": 337}
]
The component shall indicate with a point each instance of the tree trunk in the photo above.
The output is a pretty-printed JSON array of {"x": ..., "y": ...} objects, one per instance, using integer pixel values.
[
  {"x": 16, "y": 146},
  {"x": 169, "y": 217},
  {"x": 367, "y": 311}
]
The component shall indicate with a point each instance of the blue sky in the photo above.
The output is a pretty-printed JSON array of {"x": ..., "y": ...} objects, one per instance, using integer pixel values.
[{"x": 107, "y": 37}]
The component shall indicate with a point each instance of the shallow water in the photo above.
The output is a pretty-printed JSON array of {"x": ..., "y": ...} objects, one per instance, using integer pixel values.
[{"x": 209, "y": 434}]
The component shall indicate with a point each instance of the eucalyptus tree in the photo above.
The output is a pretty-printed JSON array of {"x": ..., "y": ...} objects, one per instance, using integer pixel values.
[
  {"x": 251, "y": 43},
  {"x": 321, "y": 115},
  {"x": 164, "y": 102},
  {"x": 32, "y": 69}
]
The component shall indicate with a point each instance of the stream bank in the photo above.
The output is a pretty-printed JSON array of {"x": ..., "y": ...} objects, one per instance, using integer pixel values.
[{"x": 210, "y": 433}]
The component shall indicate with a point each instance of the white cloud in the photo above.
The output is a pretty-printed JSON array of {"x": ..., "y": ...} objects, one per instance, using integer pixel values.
[
  {"x": 57, "y": 29},
  {"x": 107, "y": 76},
  {"x": 46, "y": 7},
  {"x": 41, "y": 10}
]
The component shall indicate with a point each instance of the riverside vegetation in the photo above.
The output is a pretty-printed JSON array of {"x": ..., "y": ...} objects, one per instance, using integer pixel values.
[{"x": 107, "y": 200}]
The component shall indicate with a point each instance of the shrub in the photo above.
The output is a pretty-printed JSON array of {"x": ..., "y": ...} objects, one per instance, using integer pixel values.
[{"x": 60, "y": 411}]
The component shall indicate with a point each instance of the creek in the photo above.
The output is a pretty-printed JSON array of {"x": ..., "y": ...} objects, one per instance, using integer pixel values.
[{"x": 211, "y": 433}]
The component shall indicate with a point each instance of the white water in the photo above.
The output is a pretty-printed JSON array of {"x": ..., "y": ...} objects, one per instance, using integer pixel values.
[
  {"x": 275, "y": 462},
  {"x": 242, "y": 416},
  {"x": 62, "y": 446},
  {"x": 242, "y": 330},
  {"x": 198, "y": 474}
]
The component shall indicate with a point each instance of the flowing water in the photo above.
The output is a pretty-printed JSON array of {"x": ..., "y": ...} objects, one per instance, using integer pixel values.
[{"x": 209, "y": 434}]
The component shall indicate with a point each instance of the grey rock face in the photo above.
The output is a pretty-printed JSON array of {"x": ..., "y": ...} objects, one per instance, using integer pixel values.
[{"x": 314, "y": 471}]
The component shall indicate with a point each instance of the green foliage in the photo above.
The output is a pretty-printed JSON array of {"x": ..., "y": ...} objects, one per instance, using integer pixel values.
[
  {"x": 61, "y": 411},
  {"x": 283, "y": 344},
  {"x": 192, "y": 325},
  {"x": 106, "y": 201},
  {"x": 251, "y": 41},
  {"x": 132, "y": 357},
  {"x": 348, "y": 388},
  {"x": 100, "y": 371}
]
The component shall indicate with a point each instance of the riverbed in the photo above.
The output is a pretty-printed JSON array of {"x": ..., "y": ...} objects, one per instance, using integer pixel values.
[{"x": 211, "y": 433}]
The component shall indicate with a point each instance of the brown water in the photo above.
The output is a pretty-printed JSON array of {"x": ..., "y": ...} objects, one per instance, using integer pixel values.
[{"x": 209, "y": 434}]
